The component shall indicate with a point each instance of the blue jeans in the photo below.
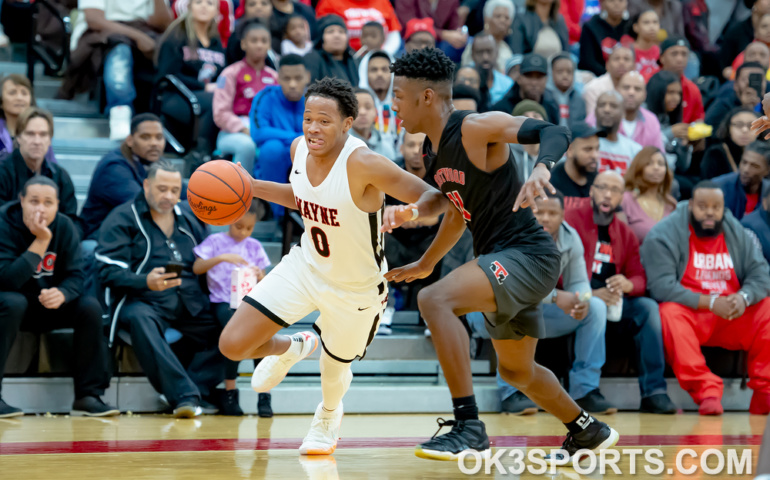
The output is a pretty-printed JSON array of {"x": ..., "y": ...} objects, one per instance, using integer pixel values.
[
  {"x": 119, "y": 77},
  {"x": 241, "y": 146},
  {"x": 589, "y": 347},
  {"x": 644, "y": 314},
  {"x": 273, "y": 165}
]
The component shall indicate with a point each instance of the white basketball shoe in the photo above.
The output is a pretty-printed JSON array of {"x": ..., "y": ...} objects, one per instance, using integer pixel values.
[
  {"x": 324, "y": 432},
  {"x": 273, "y": 368}
]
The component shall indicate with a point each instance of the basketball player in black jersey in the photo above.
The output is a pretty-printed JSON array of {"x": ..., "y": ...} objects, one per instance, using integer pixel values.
[{"x": 517, "y": 262}]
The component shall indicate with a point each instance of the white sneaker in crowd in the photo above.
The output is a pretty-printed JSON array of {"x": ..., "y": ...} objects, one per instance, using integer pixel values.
[{"x": 120, "y": 123}]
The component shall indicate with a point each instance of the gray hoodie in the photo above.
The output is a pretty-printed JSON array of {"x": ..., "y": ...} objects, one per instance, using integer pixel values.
[
  {"x": 573, "y": 263},
  {"x": 666, "y": 251}
]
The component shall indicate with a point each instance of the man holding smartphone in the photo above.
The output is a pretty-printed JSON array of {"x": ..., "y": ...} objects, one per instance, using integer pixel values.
[
  {"x": 145, "y": 257},
  {"x": 748, "y": 89}
]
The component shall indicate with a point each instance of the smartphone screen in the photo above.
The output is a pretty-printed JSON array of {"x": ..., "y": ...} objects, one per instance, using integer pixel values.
[{"x": 755, "y": 82}]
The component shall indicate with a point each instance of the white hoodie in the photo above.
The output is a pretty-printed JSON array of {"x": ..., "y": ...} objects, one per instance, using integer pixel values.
[{"x": 386, "y": 120}]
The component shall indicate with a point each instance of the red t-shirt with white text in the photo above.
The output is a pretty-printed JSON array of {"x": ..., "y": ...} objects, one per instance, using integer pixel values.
[
  {"x": 710, "y": 267},
  {"x": 359, "y": 13}
]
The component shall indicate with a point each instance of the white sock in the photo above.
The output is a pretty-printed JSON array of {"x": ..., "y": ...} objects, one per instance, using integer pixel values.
[
  {"x": 295, "y": 348},
  {"x": 335, "y": 381}
]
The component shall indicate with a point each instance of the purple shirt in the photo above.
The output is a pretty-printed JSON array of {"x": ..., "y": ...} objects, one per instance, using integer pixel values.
[
  {"x": 647, "y": 131},
  {"x": 638, "y": 220},
  {"x": 218, "y": 278}
]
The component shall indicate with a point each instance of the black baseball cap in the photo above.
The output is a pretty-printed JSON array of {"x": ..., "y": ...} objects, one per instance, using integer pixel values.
[
  {"x": 674, "y": 41},
  {"x": 584, "y": 130},
  {"x": 533, "y": 62}
]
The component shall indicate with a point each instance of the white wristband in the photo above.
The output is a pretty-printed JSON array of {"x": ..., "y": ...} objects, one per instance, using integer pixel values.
[
  {"x": 711, "y": 303},
  {"x": 415, "y": 214}
]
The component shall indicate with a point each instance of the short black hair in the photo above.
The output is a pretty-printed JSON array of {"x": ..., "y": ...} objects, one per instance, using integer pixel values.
[
  {"x": 257, "y": 208},
  {"x": 428, "y": 63},
  {"x": 557, "y": 195},
  {"x": 761, "y": 147},
  {"x": 162, "y": 164},
  {"x": 141, "y": 118},
  {"x": 463, "y": 91},
  {"x": 291, "y": 60},
  {"x": 379, "y": 54},
  {"x": 376, "y": 25},
  {"x": 259, "y": 25},
  {"x": 707, "y": 184},
  {"x": 748, "y": 65},
  {"x": 39, "y": 180},
  {"x": 338, "y": 90},
  {"x": 358, "y": 90}
]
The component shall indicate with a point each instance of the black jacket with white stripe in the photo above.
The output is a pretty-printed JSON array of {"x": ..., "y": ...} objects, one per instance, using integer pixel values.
[{"x": 131, "y": 245}]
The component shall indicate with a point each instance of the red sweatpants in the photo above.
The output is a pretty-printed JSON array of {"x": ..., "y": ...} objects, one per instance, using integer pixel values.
[{"x": 685, "y": 330}]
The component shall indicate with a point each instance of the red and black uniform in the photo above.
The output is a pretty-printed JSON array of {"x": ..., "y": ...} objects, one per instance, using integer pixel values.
[{"x": 520, "y": 259}]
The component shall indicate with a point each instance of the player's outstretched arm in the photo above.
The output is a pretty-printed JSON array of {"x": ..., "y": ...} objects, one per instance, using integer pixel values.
[
  {"x": 386, "y": 176},
  {"x": 497, "y": 127},
  {"x": 280, "y": 193},
  {"x": 450, "y": 231}
]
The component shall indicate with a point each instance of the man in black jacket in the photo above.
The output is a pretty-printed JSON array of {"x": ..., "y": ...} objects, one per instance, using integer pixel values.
[
  {"x": 35, "y": 131},
  {"x": 137, "y": 241},
  {"x": 531, "y": 86},
  {"x": 41, "y": 280}
]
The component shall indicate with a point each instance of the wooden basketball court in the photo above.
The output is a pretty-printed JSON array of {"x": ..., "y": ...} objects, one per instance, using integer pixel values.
[{"x": 372, "y": 446}]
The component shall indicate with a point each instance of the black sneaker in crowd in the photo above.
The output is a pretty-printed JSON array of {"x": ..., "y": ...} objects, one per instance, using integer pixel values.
[
  {"x": 7, "y": 411},
  {"x": 188, "y": 408},
  {"x": 264, "y": 409},
  {"x": 231, "y": 403},
  {"x": 594, "y": 402},
  {"x": 597, "y": 436},
  {"x": 92, "y": 407},
  {"x": 660, "y": 403},
  {"x": 465, "y": 435},
  {"x": 209, "y": 408},
  {"x": 519, "y": 404}
]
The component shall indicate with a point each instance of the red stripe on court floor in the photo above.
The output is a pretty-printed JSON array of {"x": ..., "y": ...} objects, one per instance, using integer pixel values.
[{"x": 228, "y": 444}]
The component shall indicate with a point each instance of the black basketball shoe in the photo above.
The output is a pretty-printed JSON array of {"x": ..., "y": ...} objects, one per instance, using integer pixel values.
[
  {"x": 465, "y": 435},
  {"x": 597, "y": 436}
]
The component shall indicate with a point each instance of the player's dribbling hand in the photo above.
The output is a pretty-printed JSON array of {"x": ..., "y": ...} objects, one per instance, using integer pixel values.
[
  {"x": 409, "y": 273},
  {"x": 395, "y": 216},
  {"x": 158, "y": 280},
  {"x": 534, "y": 188}
]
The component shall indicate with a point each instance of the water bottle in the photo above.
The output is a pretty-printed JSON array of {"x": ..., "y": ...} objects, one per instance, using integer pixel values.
[{"x": 614, "y": 312}]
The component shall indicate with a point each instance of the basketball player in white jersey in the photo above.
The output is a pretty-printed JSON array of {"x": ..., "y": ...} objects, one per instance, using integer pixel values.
[{"x": 338, "y": 186}]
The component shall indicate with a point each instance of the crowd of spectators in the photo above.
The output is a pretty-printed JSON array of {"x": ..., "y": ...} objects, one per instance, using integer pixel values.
[{"x": 661, "y": 215}]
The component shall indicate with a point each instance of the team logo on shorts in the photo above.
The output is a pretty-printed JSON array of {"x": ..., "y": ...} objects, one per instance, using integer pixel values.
[{"x": 500, "y": 272}]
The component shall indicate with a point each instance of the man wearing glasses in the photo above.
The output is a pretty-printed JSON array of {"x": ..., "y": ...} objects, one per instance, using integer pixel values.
[
  {"x": 618, "y": 279},
  {"x": 145, "y": 257}
]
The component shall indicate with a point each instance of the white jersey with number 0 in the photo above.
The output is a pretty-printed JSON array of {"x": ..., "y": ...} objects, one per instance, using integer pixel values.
[{"x": 341, "y": 242}]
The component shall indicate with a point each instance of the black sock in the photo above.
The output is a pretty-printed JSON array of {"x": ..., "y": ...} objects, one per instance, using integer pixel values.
[
  {"x": 580, "y": 423},
  {"x": 465, "y": 408}
]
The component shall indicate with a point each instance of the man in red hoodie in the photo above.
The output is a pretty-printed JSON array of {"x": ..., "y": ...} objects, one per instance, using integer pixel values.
[{"x": 617, "y": 277}]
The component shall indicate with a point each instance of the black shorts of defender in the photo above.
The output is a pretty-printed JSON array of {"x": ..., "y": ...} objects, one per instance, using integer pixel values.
[{"x": 520, "y": 282}]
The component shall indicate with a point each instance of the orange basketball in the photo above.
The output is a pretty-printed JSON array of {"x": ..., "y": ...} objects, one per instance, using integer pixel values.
[{"x": 219, "y": 192}]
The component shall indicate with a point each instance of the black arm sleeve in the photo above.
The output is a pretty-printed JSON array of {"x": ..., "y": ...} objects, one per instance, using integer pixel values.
[{"x": 553, "y": 139}]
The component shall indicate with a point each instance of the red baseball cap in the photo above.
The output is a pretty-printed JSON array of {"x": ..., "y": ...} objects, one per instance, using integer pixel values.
[{"x": 419, "y": 25}]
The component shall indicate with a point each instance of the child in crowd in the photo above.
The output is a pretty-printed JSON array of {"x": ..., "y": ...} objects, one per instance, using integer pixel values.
[
  {"x": 572, "y": 107},
  {"x": 761, "y": 35},
  {"x": 296, "y": 36},
  {"x": 217, "y": 257},
  {"x": 363, "y": 125},
  {"x": 372, "y": 38},
  {"x": 248, "y": 12},
  {"x": 236, "y": 88},
  {"x": 646, "y": 28}
]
